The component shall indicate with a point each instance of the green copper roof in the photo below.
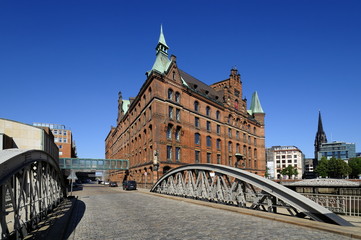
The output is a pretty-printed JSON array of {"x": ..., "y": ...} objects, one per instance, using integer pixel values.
[
  {"x": 161, "y": 37},
  {"x": 162, "y": 61},
  {"x": 125, "y": 105},
  {"x": 255, "y": 104}
]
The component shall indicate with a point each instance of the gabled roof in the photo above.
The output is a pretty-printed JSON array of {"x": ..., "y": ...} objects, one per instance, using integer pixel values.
[{"x": 200, "y": 87}]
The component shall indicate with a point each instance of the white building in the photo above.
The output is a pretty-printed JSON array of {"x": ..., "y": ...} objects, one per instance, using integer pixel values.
[{"x": 279, "y": 157}]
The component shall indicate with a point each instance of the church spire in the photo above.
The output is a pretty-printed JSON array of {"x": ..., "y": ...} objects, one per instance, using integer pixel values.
[{"x": 320, "y": 135}]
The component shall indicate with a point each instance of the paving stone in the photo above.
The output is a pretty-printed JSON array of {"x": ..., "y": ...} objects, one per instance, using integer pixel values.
[{"x": 116, "y": 214}]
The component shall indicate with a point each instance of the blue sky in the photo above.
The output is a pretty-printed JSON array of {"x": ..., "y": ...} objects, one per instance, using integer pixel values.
[{"x": 65, "y": 61}]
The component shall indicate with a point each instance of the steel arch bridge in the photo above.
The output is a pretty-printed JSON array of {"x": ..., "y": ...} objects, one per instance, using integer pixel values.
[
  {"x": 31, "y": 184},
  {"x": 233, "y": 186}
]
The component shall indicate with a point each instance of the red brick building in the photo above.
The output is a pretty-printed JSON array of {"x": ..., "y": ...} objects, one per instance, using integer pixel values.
[{"x": 176, "y": 119}]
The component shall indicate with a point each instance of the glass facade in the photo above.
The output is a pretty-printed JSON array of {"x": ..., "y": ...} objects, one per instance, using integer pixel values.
[{"x": 338, "y": 150}]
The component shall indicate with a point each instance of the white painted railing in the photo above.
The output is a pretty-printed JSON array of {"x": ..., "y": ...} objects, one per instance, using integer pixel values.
[{"x": 344, "y": 204}]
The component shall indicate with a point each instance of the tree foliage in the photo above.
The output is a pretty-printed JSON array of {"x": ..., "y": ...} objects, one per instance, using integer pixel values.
[
  {"x": 333, "y": 168},
  {"x": 355, "y": 165},
  {"x": 289, "y": 171},
  {"x": 322, "y": 167}
]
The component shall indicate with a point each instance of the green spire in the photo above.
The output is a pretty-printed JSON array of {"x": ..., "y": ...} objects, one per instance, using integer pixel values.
[
  {"x": 161, "y": 38},
  {"x": 255, "y": 105},
  {"x": 162, "y": 61}
]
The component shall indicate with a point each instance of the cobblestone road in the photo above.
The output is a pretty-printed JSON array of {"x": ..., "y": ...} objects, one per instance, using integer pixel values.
[{"x": 111, "y": 213}]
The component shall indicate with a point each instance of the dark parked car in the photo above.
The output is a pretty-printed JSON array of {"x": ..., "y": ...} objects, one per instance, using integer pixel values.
[
  {"x": 130, "y": 185},
  {"x": 113, "y": 184}
]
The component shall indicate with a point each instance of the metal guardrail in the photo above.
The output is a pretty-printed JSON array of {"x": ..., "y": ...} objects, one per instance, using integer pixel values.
[
  {"x": 233, "y": 186},
  {"x": 343, "y": 204}
]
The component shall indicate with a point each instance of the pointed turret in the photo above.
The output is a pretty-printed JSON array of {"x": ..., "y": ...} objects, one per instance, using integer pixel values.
[
  {"x": 162, "y": 61},
  {"x": 255, "y": 104},
  {"x": 320, "y": 136},
  {"x": 256, "y": 109}
]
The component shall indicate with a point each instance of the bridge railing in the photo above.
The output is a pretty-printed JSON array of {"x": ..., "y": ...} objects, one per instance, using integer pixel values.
[
  {"x": 31, "y": 185},
  {"x": 342, "y": 204}
]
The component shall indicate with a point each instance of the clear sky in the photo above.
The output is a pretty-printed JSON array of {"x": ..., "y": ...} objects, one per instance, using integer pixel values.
[{"x": 65, "y": 61}]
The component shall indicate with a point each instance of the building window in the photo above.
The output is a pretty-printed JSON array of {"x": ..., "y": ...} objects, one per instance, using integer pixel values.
[
  {"x": 218, "y": 129},
  {"x": 169, "y": 153},
  {"x": 177, "y": 134},
  {"x": 230, "y": 161},
  {"x": 209, "y": 141},
  {"x": 170, "y": 94},
  {"x": 177, "y": 154},
  {"x": 229, "y": 146},
  {"x": 196, "y": 106},
  {"x": 237, "y": 135},
  {"x": 64, "y": 140},
  {"x": 197, "y": 156},
  {"x": 170, "y": 112},
  {"x": 196, "y": 122},
  {"x": 218, "y": 115},
  {"x": 237, "y": 148},
  {"x": 177, "y": 97},
  {"x": 64, "y": 133},
  {"x": 218, "y": 158},
  {"x": 229, "y": 132},
  {"x": 60, "y": 146},
  {"x": 208, "y": 111},
  {"x": 177, "y": 114},
  {"x": 169, "y": 131},
  {"x": 218, "y": 144},
  {"x": 208, "y": 126},
  {"x": 197, "y": 138},
  {"x": 209, "y": 157}
]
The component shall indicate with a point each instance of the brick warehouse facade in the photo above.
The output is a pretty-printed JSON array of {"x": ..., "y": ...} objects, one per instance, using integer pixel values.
[{"x": 176, "y": 119}]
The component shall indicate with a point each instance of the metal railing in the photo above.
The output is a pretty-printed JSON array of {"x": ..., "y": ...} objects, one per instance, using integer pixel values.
[{"x": 342, "y": 204}]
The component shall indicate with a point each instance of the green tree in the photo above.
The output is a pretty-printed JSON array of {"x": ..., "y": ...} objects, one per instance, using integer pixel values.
[
  {"x": 355, "y": 165},
  {"x": 338, "y": 168},
  {"x": 322, "y": 167},
  {"x": 289, "y": 171}
]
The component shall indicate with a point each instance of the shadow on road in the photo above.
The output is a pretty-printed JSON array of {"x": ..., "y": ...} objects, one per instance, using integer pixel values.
[{"x": 76, "y": 215}]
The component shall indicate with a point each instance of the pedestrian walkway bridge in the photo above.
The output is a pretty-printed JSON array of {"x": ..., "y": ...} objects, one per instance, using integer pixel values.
[{"x": 93, "y": 164}]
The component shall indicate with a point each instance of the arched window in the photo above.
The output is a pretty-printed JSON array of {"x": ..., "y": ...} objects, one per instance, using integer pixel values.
[
  {"x": 208, "y": 111},
  {"x": 209, "y": 141},
  {"x": 196, "y": 106},
  {"x": 218, "y": 115},
  {"x": 218, "y": 144},
  {"x": 197, "y": 138},
  {"x": 170, "y": 94},
  {"x": 177, "y": 97},
  {"x": 229, "y": 146},
  {"x": 178, "y": 133},
  {"x": 169, "y": 131}
]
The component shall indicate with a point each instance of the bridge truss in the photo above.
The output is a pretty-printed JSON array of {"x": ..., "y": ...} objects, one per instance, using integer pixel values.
[
  {"x": 31, "y": 185},
  {"x": 233, "y": 186}
]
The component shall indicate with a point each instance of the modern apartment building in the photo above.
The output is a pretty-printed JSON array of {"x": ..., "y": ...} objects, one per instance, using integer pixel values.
[
  {"x": 283, "y": 156},
  {"x": 63, "y": 138},
  {"x": 177, "y": 119}
]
